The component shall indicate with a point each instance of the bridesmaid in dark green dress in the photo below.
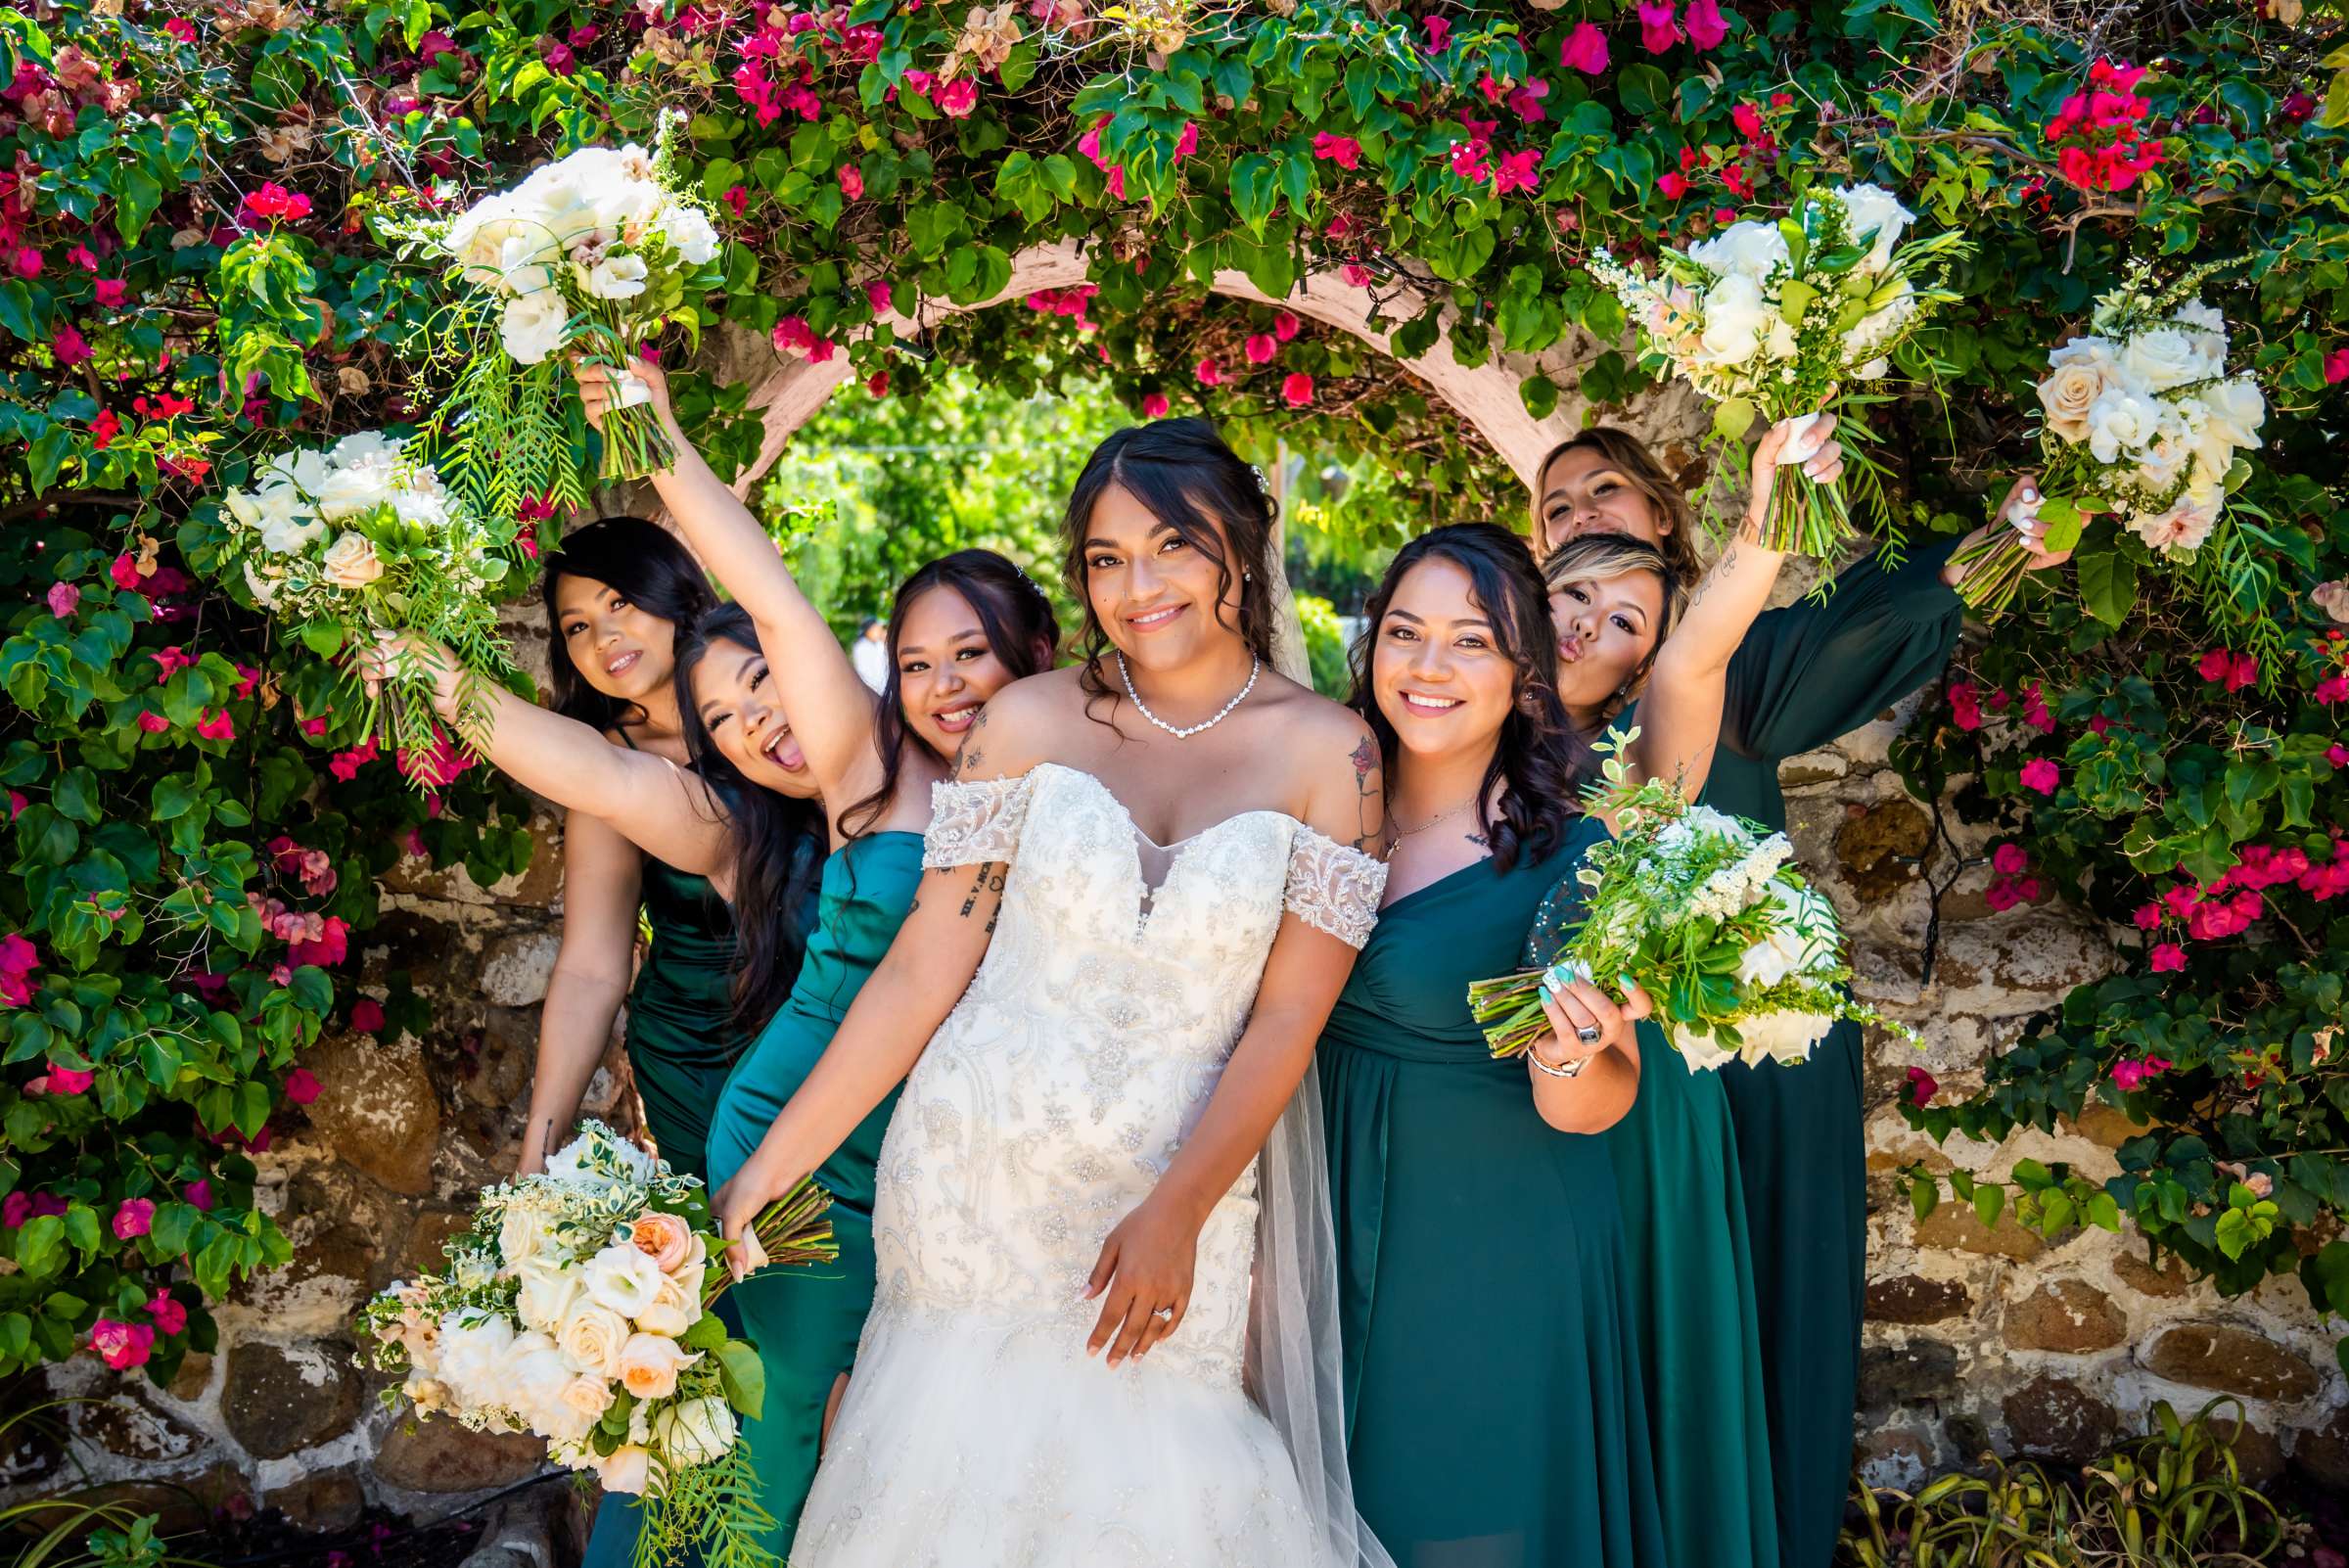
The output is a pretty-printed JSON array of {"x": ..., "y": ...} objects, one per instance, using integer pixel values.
[
  {"x": 1806, "y": 676},
  {"x": 1497, "y": 1412}
]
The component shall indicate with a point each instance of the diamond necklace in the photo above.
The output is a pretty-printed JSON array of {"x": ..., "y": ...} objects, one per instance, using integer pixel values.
[{"x": 1256, "y": 666}]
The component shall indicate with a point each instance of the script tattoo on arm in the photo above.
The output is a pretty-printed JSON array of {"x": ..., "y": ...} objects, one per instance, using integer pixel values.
[
  {"x": 1721, "y": 569},
  {"x": 988, "y": 880}
]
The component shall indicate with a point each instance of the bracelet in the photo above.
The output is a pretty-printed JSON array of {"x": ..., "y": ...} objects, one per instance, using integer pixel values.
[{"x": 1572, "y": 1069}]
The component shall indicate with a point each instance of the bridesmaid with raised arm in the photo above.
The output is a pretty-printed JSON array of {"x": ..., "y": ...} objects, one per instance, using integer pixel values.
[
  {"x": 1805, "y": 675},
  {"x": 1516, "y": 1437}
]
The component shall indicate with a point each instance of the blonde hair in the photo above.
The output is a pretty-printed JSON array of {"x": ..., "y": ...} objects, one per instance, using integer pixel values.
[
  {"x": 1628, "y": 455},
  {"x": 1601, "y": 557}
]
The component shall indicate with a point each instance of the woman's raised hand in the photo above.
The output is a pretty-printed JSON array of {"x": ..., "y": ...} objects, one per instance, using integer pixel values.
[
  {"x": 601, "y": 390},
  {"x": 1822, "y": 457},
  {"x": 389, "y": 654}
]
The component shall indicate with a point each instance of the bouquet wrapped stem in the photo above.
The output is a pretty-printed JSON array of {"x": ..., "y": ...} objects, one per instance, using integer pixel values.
[
  {"x": 636, "y": 444},
  {"x": 1805, "y": 517},
  {"x": 794, "y": 1234}
]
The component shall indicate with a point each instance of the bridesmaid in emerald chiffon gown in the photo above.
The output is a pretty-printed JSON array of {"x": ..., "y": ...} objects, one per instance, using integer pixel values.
[
  {"x": 1496, "y": 1400},
  {"x": 1754, "y": 1291}
]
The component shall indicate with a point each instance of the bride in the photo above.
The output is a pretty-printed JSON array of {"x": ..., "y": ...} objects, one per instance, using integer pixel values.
[{"x": 1143, "y": 890}]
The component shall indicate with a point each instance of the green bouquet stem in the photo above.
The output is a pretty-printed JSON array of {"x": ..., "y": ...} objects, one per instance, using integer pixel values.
[
  {"x": 1806, "y": 518},
  {"x": 795, "y": 1234},
  {"x": 1994, "y": 569},
  {"x": 636, "y": 445},
  {"x": 1509, "y": 1008}
]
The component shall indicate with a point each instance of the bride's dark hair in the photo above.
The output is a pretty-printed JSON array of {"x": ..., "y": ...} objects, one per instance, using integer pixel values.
[
  {"x": 1539, "y": 757},
  {"x": 1185, "y": 476},
  {"x": 778, "y": 841}
]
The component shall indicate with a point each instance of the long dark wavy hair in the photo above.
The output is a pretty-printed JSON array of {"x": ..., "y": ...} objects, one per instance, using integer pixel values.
[
  {"x": 1022, "y": 632},
  {"x": 778, "y": 841},
  {"x": 1541, "y": 758},
  {"x": 646, "y": 565},
  {"x": 1185, "y": 476}
]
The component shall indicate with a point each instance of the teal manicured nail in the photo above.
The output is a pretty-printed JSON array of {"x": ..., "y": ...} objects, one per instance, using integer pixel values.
[{"x": 1626, "y": 981}]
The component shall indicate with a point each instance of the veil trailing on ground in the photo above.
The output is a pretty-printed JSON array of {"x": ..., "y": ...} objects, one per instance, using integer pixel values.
[{"x": 1294, "y": 1355}]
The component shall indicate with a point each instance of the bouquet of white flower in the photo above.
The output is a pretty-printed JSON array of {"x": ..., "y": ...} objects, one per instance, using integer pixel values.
[
  {"x": 1701, "y": 910},
  {"x": 592, "y": 254},
  {"x": 577, "y": 1307},
  {"x": 360, "y": 537},
  {"x": 1782, "y": 320},
  {"x": 2139, "y": 417}
]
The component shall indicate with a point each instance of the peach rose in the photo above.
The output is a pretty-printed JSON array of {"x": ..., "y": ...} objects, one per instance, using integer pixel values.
[
  {"x": 664, "y": 1238},
  {"x": 649, "y": 1364},
  {"x": 674, "y": 1307},
  {"x": 2080, "y": 372},
  {"x": 588, "y": 1394},
  {"x": 626, "y": 1468},
  {"x": 352, "y": 562}
]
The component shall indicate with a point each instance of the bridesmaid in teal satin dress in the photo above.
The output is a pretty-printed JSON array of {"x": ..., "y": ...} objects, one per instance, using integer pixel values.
[
  {"x": 1515, "y": 1435},
  {"x": 1791, "y": 1232}
]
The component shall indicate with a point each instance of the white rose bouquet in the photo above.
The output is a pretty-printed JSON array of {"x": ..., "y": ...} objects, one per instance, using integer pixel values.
[
  {"x": 363, "y": 537},
  {"x": 593, "y": 255},
  {"x": 1780, "y": 320},
  {"x": 1700, "y": 909},
  {"x": 576, "y": 1306},
  {"x": 2139, "y": 418}
]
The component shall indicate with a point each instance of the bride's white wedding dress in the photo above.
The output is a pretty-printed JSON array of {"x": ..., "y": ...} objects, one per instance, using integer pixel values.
[{"x": 976, "y": 1432}]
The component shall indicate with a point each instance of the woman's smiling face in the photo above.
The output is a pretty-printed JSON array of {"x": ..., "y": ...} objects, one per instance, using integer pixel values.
[
  {"x": 737, "y": 697},
  {"x": 1151, "y": 591},
  {"x": 947, "y": 669},
  {"x": 1583, "y": 492},
  {"x": 624, "y": 652}
]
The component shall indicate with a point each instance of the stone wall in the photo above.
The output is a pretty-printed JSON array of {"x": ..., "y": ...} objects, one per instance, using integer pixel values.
[{"x": 1979, "y": 1338}]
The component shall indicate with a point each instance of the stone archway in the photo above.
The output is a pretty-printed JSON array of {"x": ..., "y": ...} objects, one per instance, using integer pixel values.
[{"x": 787, "y": 393}]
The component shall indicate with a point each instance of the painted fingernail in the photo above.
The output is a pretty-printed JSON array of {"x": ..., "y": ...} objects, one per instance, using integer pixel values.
[
  {"x": 1625, "y": 981},
  {"x": 2030, "y": 494}
]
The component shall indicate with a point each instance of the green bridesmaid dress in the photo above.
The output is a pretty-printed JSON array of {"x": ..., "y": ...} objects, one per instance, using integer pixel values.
[
  {"x": 1689, "y": 1278},
  {"x": 1806, "y": 676},
  {"x": 681, "y": 1039},
  {"x": 805, "y": 1322},
  {"x": 1495, "y": 1417}
]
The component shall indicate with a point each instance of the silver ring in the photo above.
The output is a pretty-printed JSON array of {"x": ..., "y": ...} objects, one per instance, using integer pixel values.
[
  {"x": 1162, "y": 1312},
  {"x": 1588, "y": 1034}
]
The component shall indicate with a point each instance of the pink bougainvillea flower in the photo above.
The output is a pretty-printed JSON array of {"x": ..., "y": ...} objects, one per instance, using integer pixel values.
[
  {"x": 64, "y": 598},
  {"x": 1707, "y": 26},
  {"x": 1155, "y": 406},
  {"x": 1261, "y": 348},
  {"x": 249, "y": 677},
  {"x": 346, "y": 766},
  {"x": 2213, "y": 665},
  {"x": 957, "y": 98},
  {"x": 794, "y": 336},
  {"x": 2147, "y": 916},
  {"x": 1468, "y": 162},
  {"x": 2337, "y": 755},
  {"x": 1343, "y": 151},
  {"x": 15, "y": 804},
  {"x": 2041, "y": 774},
  {"x": 559, "y": 57},
  {"x": 1516, "y": 171},
  {"x": 1187, "y": 142},
  {"x": 274, "y": 203},
  {"x": 2336, "y": 366},
  {"x": 25, "y": 262},
  {"x": 876, "y": 385},
  {"x": 738, "y": 198},
  {"x": 2010, "y": 859},
  {"x": 135, "y": 1216},
  {"x": 1585, "y": 50},
  {"x": 1748, "y": 120},
  {"x": 330, "y": 948},
  {"x": 301, "y": 1086},
  {"x": 1356, "y": 274},
  {"x": 367, "y": 1015},
  {"x": 123, "y": 1344},
  {"x": 198, "y": 1193},
  {"x": 1208, "y": 374},
  {"x": 1285, "y": 325},
  {"x": 170, "y": 1318},
  {"x": 16, "y": 1209},
  {"x": 1922, "y": 1087},
  {"x": 69, "y": 346},
  {"x": 1659, "y": 30},
  {"x": 2168, "y": 957},
  {"x": 154, "y": 723},
  {"x": 1525, "y": 102},
  {"x": 218, "y": 728},
  {"x": 877, "y": 295},
  {"x": 1673, "y": 184},
  {"x": 2129, "y": 1074},
  {"x": 125, "y": 570},
  {"x": 1438, "y": 34},
  {"x": 182, "y": 29},
  {"x": 70, "y": 1080},
  {"x": 1298, "y": 390},
  {"x": 170, "y": 662},
  {"x": 851, "y": 182}
]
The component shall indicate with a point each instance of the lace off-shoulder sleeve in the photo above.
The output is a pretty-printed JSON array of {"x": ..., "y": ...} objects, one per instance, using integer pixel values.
[
  {"x": 977, "y": 821},
  {"x": 1334, "y": 888}
]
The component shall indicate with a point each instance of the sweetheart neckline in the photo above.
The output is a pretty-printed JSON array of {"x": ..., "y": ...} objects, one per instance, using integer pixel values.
[{"x": 1127, "y": 811}]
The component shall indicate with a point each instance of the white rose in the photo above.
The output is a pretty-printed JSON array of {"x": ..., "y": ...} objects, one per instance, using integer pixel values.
[
  {"x": 364, "y": 447},
  {"x": 2122, "y": 419},
  {"x": 588, "y": 1394},
  {"x": 1786, "y": 1037},
  {"x": 1702, "y": 1052},
  {"x": 649, "y": 1364},
  {"x": 622, "y": 1279},
  {"x": 2236, "y": 410},
  {"x": 536, "y": 1375},
  {"x": 1872, "y": 207},
  {"x": 418, "y": 506},
  {"x": 592, "y": 1336},
  {"x": 2166, "y": 456},
  {"x": 2163, "y": 357},
  {"x": 352, "y": 563},
  {"x": 356, "y": 488},
  {"x": 473, "y": 1355},
  {"x": 1801, "y": 921},
  {"x": 288, "y": 524},
  {"x": 2199, "y": 317},
  {"x": 627, "y": 1469},
  {"x": 305, "y": 470},
  {"x": 1734, "y": 319},
  {"x": 548, "y": 1297},
  {"x": 617, "y": 277},
  {"x": 534, "y": 326},
  {"x": 690, "y": 232},
  {"x": 675, "y": 1308},
  {"x": 1748, "y": 249},
  {"x": 696, "y": 1431}
]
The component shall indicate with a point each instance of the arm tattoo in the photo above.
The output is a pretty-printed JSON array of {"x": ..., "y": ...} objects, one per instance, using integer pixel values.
[
  {"x": 988, "y": 880},
  {"x": 967, "y": 756},
  {"x": 1721, "y": 569},
  {"x": 1367, "y": 787}
]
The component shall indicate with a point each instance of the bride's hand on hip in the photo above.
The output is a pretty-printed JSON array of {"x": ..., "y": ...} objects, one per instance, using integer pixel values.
[
  {"x": 737, "y": 1206},
  {"x": 1145, "y": 1274}
]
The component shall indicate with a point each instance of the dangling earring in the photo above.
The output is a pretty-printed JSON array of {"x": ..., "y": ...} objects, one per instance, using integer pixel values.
[{"x": 1247, "y": 577}]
